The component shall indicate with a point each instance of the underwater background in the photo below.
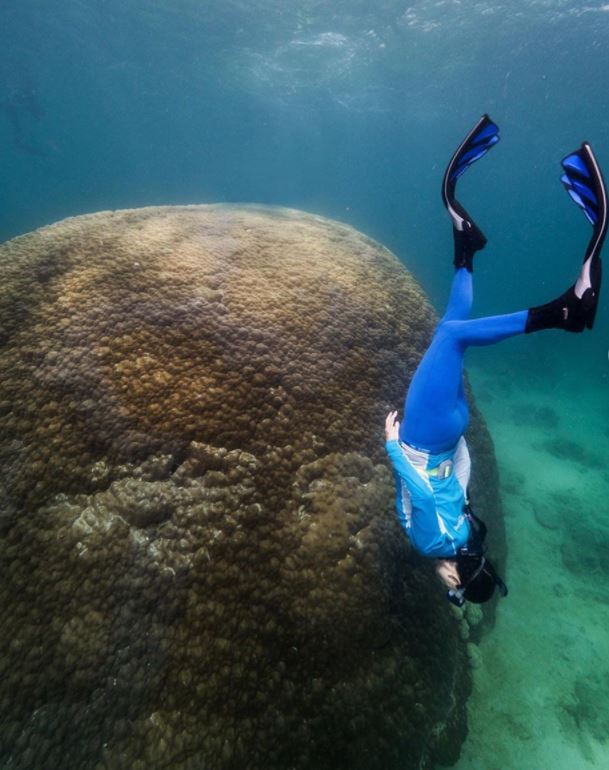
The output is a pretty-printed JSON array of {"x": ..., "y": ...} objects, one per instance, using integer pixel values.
[{"x": 351, "y": 109}]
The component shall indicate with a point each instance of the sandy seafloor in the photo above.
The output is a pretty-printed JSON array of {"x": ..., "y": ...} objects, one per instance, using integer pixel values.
[{"x": 541, "y": 693}]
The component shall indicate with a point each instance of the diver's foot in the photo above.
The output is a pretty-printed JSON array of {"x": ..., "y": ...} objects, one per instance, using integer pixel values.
[
  {"x": 467, "y": 235},
  {"x": 574, "y": 310},
  {"x": 467, "y": 242}
]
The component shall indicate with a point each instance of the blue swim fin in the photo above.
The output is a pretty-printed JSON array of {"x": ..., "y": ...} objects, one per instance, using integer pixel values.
[
  {"x": 575, "y": 310},
  {"x": 467, "y": 235},
  {"x": 584, "y": 182}
]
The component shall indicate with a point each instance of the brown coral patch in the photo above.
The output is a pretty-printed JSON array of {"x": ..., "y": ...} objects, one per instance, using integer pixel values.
[{"x": 202, "y": 567}]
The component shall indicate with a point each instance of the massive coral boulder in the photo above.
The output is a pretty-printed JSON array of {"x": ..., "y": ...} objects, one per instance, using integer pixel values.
[{"x": 201, "y": 567}]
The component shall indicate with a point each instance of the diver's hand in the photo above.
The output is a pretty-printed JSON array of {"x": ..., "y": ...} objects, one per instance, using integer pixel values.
[{"x": 392, "y": 427}]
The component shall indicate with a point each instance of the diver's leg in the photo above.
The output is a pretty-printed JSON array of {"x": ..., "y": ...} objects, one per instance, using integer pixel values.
[
  {"x": 458, "y": 308},
  {"x": 435, "y": 410},
  {"x": 461, "y": 296}
]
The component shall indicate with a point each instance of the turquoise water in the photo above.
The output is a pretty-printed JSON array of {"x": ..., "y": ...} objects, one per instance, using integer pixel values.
[{"x": 350, "y": 109}]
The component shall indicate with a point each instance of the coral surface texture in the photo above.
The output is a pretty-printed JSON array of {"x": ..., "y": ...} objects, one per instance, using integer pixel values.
[{"x": 201, "y": 566}]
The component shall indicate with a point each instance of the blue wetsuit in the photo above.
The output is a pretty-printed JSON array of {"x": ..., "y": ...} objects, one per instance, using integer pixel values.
[
  {"x": 430, "y": 492},
  {"x": 430, "y": 466}
]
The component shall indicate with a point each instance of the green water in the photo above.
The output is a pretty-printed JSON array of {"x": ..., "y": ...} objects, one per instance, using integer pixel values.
[{"x": 350, "y": 109}]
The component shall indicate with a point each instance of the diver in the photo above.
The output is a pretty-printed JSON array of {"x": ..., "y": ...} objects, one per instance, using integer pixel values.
[{"x": 428, "y": 451}]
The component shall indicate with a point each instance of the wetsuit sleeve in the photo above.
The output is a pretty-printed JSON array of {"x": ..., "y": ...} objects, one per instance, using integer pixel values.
[
  {"x": 416, "y": 486},
  {"x": 462, "y": 465},
  {"x": 422, "y": 525}
]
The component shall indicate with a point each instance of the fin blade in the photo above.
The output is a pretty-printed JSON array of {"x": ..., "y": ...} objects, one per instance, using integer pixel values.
[
  {"x": 584, "y": 182},
  {"x": 476, "y": 144},
  {"x": 581, "y": 181}
]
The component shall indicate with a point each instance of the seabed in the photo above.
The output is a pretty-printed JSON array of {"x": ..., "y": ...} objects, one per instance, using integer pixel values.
[{"x": 540, "y": 693}]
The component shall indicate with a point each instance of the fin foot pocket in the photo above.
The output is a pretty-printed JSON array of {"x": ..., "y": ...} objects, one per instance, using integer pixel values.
[
  {"x": 467, "y": 242},
  {"x": 568, "y": 312}
]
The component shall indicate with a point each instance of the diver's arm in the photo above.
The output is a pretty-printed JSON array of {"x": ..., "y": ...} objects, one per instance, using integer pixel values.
[
  {"x": 417, "y": 515},
  {"x": 418, "y": 489}
]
